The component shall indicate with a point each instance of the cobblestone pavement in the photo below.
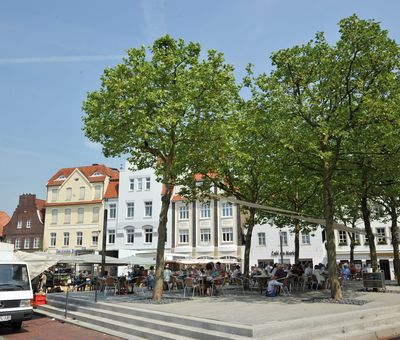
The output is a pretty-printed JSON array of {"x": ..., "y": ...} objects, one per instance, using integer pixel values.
[{"x": 43, "y": 328}]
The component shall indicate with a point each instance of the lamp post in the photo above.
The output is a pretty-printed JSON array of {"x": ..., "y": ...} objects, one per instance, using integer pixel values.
[
  {"x": 104, "y": 241},
  {"x": 281, "y": 246}
]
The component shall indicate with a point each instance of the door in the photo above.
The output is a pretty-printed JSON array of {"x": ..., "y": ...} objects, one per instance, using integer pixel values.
[{"x": 384, "y": 265}]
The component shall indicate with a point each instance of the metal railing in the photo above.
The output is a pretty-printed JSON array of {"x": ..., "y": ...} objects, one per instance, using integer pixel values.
[{"x": 73, "y": 289}]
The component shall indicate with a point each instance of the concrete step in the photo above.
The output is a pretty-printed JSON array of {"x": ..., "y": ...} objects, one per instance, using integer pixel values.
[
  {"x": 79, "y": 323},
  {"x": 203, "y": 324}
]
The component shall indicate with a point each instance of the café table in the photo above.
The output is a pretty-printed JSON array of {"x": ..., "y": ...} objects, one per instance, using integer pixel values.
[{"x": 262, "y": 281}]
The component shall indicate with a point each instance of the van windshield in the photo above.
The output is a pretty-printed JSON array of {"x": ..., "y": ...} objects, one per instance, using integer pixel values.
[{"x": 13, "y": 277}]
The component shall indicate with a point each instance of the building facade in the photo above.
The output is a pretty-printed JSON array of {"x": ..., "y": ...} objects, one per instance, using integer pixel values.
[
  {"x": 75, "y": 208},
  {"x": 25, "y": 228}
]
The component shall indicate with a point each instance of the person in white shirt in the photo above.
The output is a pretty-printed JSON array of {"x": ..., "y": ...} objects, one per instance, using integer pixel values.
[
  {"x": 318, "y": 274},
  {"x": 308, "y": 271},
  {"x": 167, "y": 276},
  {"x": 272, "y": 284}
]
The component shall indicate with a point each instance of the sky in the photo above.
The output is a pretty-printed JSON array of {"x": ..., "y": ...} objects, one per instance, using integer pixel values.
[{"x": 52, "y": 53}]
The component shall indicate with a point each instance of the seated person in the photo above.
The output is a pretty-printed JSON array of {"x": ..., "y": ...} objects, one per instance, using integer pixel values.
[
  {"x": 280, "y": 272},
  {"x": 236, "y": 274},
  {"x": 319, "y": 275},
  {"x": 272, "y": 284}
]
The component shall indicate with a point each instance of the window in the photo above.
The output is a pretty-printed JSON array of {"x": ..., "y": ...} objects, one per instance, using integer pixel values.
[
  {"x": 366, "y": 241},
  {"x": 227, "y": 234},
  {"x": 342, "y": 238},
  {"x": 184, "y": 212},
  {"x": 19, "y": 224},
  {"x": 283, "y": 234},
  {"x": 111, "y": 236},
  {"x": 96, "y": 211},
  {"x": 95, "y": 238},
  {"x": 148, "y": 235},
  {"x": 26, "y": 243},
  {"x": 131, "y": 184},
  {"x": 53, "y": 239},
  {"x": 147, "y": 183},
  {"x": 28, "y": 224},
  {"x": 130, "y": 235},
  {"x": 16, "y": 243},
  {"x": 139, "y": 184},
  {"x": 130, "y": 209},
  {"x": 227, "y": 209},
  {"x": 148, "y": 209},
  {"x": 82, "y": 193},
  {"x": 66, "y": 239},
  {"x": 54, "y": 215},
  {"x": 96, "y": 174},
  {"x": 356, "y": 239},
  {"x": 67, "y": 216},
  {"x": 184, "y": 236},
  {"x": 381, "y": 235},
  {"x": 36, "y": 242},
  {"x": 261, "y": 239},
  {"x": 112, "y": 208},
  {"x": 54, "y": 195},
  {"x": 61, "y": 178},
  {"x": 97, "y": 192},
  {"x": 205, "y": 236},
  {"x": 81, "y": 212},
  {"x": 205, "y": 211},
  {"x": 305, "y": 237},
  {"x": 68, "y": 194},
  {"x": 79, "y": 238}
]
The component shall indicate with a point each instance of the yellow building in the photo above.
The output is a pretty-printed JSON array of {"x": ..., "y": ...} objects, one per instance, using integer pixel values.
[{"x": 75, "y": 208}]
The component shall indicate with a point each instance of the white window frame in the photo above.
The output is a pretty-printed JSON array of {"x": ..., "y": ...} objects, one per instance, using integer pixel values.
[
  {"x": 81, "y": 215},
  {"x": 342, "y": 238},
  {"x": 79, "y": 238},
  {"x": 227, "y": 234},
  {"x": 148, "y": 208},
  {"x": 305, "y": 238},
  {"x": 111, "y": 236},
  {"x": 19, "y": 224},
  {"x": 139, "y": 184},
  {"x": 261, "y": 239},
  {"x": 27, "y": 243},
  {"x": 28, "y": 224},
  {"x": 112, "y": 209},
  {"x": 148, "y": 235},
  {"x": 130, "y": 206},
  {"x": 68, "y": 194},
  {"x": 97, "y": 192},
  {"x": 54, "y": 216},
  {"x": 205, "y": 210},
  {"x": 131, "y": 184},
  {"x": 36, "y": 242},
  {"x": 95, "y": 238},
  {"x": 284, "y": 237},
  {"x": 148, "y": 183},
  {"x": 53, "y": 239},
  {"x": 17, "y": 243},
  {"x": 130, "y": 235},
  {"x": 183, "y": 212},
  {"x": 67, "y": 216},
  {"x": 82, "y": 192},
  {"x": 95, "y": 214},
  {"x": 66, "y": 239},
  {"x": 183, "y": 236},
  {"x": 54, "y": 195},
  {"x": 227, "y": 209},
  {"x": 381, "y": 235},
  {"x": 205, "y": 236}
]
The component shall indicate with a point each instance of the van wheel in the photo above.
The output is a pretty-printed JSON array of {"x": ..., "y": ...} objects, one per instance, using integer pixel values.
[{"x": 16, "y": 326}]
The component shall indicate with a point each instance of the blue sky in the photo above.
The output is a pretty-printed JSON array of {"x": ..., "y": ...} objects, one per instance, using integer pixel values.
[{"x": 53, "y": 52}]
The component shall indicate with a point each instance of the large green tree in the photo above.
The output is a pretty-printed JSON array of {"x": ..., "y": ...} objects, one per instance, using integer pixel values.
[
  {"x": 324, "y": 94},
  {"x": 158, "y": 107}
]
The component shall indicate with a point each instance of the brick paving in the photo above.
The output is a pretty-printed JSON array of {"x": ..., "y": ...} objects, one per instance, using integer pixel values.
[{"x": 43, "y": 328}]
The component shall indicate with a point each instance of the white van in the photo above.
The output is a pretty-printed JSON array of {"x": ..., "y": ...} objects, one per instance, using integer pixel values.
[{"x": 15, "y": 294}]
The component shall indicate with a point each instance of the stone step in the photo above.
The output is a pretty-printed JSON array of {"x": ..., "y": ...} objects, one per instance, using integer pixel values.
[
  {"x": 211, "y": 325},
  {"x": 145, "y": 323}
]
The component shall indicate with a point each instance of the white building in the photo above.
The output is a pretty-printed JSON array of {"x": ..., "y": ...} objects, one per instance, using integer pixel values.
[{"x": 133, "y": 218}]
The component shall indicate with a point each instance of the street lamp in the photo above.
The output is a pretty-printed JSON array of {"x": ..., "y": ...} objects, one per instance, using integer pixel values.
[{"x": 280, "y": 242}]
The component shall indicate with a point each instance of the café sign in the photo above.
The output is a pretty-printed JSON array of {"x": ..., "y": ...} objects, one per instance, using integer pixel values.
[{"x": 277, "y": 253}]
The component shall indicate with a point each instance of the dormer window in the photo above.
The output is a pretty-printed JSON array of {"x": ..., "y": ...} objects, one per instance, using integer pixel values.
[
  {"x": 97, "y": 174},
  {"x": 61, "y": 178}
]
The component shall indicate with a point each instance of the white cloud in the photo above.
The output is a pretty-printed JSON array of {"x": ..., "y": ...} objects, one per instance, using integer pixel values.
[{"x": 62, "y": 59}]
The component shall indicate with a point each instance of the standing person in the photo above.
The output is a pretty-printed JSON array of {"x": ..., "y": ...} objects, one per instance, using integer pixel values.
[
  {"x": 150, "y": 278},
  {"x": 42, "y": 282},
  {"x": 345, "y": 273},
  {"x": 167, "y": 277}
]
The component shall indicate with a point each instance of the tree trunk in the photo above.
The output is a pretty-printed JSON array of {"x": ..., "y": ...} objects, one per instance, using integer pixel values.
[
  {"x": 162, "y": 236},
  {"x": 336, "y": 292},
  {"x": 371, "y": 238},
  {"x": 395, "y": 241},
  {"x": 250, "y": 226},
  {"x": 297, "y": 229},
  {"x": 352, "y": 245}
]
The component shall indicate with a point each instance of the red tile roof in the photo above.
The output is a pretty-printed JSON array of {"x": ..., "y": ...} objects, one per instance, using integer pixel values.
[
  {"x": 87, "y": 171},
  {"x": 112, "y": 189},
  {"x": 4, "y": 219}
]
